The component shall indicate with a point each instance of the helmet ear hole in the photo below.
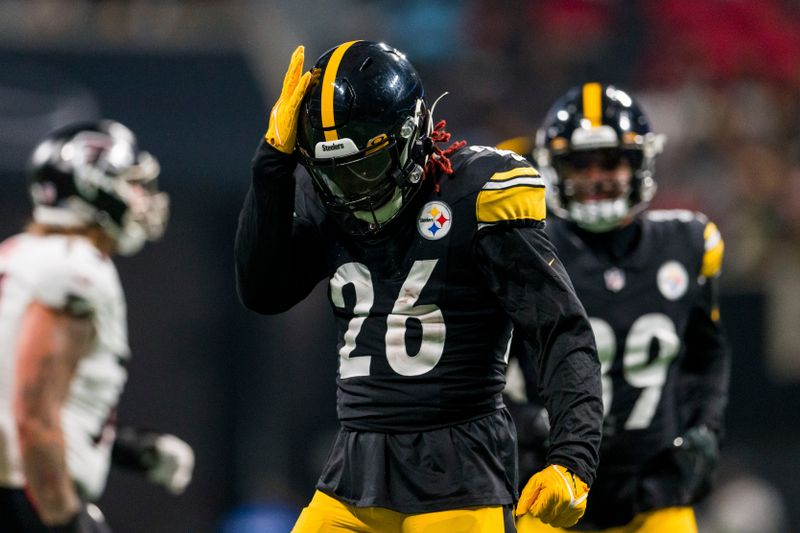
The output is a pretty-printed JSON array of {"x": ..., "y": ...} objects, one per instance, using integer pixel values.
[{"x": 365, "y": 65}]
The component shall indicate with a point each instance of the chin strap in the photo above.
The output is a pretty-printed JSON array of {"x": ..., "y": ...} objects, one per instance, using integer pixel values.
[{"x": 439, "y": 161}]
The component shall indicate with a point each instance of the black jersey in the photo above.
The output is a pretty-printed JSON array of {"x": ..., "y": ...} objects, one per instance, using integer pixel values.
[
  {"x": 649, "y": 292},
  {"x": 424, "y": 319}
]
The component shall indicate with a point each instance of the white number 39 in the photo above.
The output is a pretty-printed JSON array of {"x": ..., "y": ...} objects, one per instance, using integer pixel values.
[{"x": 638, "y": 371}]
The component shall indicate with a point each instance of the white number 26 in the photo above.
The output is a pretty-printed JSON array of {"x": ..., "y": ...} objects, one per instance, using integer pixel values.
[{"x": 429, "y": 316}]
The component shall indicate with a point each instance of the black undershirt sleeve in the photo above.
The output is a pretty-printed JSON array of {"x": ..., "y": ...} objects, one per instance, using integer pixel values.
[
  {"x": 522, "y": 269},
  {"x": 279, "y": 253},
  {"x": 135, "y": 449},
  {"x": 705, "y": 372}
]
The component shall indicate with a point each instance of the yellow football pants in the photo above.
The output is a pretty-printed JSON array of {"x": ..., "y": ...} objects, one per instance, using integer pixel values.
[
  {"x": 669, "y": 520},
  {"x": 328, "y": 515}
]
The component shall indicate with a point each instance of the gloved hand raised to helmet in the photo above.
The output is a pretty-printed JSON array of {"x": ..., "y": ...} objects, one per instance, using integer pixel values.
[
  {"x": 282, "y": 130},
  {"x": 555, "y": 496}
]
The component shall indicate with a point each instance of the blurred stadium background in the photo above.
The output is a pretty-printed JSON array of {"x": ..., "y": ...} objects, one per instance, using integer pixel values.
[{"x": 255, "y": 395}]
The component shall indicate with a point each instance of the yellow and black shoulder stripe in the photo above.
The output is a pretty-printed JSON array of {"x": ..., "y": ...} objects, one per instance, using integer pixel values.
[
  {"x": 515, "y": 194},
  {"x": 714, "y": 250}
]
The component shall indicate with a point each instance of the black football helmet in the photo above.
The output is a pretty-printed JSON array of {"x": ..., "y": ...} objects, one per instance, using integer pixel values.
[
  {"x": 94, "y": 173},
  {"x": 603, "y": 123},
  {"x": 363, "y": 134}
]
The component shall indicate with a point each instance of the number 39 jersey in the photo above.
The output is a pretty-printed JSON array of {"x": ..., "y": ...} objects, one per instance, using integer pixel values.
[
  {"x": 650, "y": 308},
  {"x": 65, "y": 272}
]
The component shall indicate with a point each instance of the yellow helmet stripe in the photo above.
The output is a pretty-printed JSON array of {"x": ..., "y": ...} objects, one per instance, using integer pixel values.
[
  {"x": 328, "y": 80},
  {"x": 593, "y": 104}
]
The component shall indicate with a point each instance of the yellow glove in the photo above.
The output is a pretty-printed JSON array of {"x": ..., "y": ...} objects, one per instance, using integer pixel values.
[
  {"x": 282, "y": 131},
  {"x": 554, "y": 495}
]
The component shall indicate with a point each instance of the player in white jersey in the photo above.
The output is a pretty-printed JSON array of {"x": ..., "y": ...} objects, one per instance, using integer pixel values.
[{"x": 63, "y": 331}]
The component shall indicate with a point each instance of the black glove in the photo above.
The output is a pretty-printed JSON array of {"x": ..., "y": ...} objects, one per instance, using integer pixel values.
[
  {"x": 696, "y": 453},
  {"x": 164, "y": 458},
  {"x": 88, "y": 520}
]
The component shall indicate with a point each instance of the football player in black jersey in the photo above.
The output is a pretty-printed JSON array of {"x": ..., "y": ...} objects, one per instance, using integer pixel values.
[
  {"x": 648, "y": 281},
  {"x": 432, "y": 256}
]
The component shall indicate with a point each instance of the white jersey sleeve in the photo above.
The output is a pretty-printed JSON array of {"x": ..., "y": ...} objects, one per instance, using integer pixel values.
[
  {"x": 70, "y": 278},
  {"x": 66, "y": 273}
]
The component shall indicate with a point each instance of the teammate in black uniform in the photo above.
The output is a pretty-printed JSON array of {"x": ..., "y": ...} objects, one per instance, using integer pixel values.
[
  {"x": 648, "y": 281},
  {"x": 431, "y": 256}
]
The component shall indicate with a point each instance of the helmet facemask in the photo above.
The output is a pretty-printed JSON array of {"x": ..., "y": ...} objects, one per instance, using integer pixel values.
[
  {"x": 148, "y": 209},
  {"x": 374, "y": 183},
  {"x": 598, "y": 186}
]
